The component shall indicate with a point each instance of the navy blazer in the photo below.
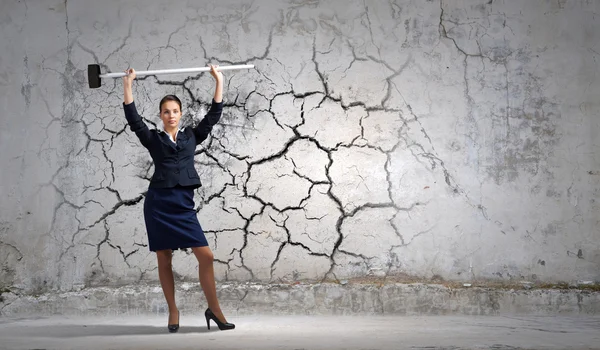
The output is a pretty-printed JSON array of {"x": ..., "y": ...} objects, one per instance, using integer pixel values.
[{"x": 173, "y": 163}]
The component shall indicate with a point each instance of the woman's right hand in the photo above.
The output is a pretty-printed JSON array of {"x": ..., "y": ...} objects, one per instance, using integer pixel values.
[
  {"x": 127, "y": 82},
  {"x": 128, "y": 79}
]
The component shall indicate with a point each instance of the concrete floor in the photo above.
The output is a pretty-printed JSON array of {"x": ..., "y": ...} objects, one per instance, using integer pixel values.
[{"x": 304, "y": 332}]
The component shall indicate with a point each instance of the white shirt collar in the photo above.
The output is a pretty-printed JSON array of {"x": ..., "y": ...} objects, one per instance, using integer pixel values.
[{"x": 161, "y": 129}]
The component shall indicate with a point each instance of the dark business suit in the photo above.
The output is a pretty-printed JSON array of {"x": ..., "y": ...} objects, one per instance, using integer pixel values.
[
  {"x": 169, "y": 214},
  {"x": 173, "y": 164}
]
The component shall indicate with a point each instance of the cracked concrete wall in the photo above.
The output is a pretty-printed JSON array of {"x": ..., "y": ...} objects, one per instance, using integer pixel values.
[{"x": 455, "y": 140}]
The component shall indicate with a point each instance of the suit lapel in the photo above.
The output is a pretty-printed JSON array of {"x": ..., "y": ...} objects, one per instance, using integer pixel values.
[
  {"x": 182, "y": 139},
  {"x": 164, "y": 138}
]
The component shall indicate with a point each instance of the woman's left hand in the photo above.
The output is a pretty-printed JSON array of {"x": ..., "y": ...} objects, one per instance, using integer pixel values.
[{"x": 215, "y": 73}]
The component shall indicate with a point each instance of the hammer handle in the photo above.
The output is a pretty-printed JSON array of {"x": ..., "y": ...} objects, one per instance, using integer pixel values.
[{"x": 176, "y": 71}]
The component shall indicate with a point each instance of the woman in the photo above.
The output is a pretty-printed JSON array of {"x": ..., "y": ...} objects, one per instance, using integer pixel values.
[{"x": 169, "y": 213}]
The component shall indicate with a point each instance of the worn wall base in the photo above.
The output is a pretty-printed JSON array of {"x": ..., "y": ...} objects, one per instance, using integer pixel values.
[{"x": 313, "y": 299}]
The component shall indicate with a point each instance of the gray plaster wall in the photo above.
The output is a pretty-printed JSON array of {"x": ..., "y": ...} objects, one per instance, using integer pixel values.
[{"x": 427, "y": 139}]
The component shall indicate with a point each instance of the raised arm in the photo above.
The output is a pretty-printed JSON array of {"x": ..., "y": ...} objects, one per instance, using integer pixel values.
[
  {"x": 134, "y": 120},
  {"x": 203, "y": 129}
]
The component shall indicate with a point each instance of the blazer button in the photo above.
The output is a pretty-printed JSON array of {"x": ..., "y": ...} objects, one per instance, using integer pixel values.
[{"x": 177, "y": 171}]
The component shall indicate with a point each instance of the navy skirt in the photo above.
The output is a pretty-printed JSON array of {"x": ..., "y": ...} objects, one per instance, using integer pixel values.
[{"x": 171, "y": 220}]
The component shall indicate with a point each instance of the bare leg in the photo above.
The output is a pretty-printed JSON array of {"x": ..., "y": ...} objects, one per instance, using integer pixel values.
[
  {"x": 207, "y": 279},
  {"x": 167, "y": 282}
]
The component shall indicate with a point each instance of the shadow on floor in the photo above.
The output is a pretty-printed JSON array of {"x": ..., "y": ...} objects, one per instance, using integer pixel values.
[{"x": 73, "y": 331}]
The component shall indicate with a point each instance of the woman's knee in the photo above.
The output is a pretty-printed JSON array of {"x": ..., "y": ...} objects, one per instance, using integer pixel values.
[
  {"x": 207, "y": 257},
  {"x": 164, "y": 258},
  {"x": 204, "y": 255},
  {"x": 210, "y": 257}
]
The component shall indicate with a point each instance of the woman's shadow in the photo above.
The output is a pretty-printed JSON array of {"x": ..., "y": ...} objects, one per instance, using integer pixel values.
[{"x": 74, "y": 331}]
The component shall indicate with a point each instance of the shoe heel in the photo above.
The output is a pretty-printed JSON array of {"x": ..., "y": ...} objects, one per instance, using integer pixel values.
[{"x": 222, "y": 326}]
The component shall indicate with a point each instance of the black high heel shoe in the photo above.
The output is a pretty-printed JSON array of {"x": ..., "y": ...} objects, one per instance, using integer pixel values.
[
  {"x": 174, "y": 327},
  {"x": 208, "y": 314}
]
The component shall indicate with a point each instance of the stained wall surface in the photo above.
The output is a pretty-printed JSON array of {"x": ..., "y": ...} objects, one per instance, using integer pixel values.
[{"x": 427, "y": 139}]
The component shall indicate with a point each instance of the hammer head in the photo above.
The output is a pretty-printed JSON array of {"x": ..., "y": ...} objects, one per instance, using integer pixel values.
[{"x": 94, "y": 76}]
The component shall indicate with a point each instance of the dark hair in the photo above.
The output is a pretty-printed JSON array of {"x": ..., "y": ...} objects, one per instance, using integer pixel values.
[{"x": 169, "y": 98}]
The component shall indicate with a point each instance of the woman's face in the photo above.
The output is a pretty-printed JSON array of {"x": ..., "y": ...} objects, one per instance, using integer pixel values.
[{"x": 170, "y": 114}]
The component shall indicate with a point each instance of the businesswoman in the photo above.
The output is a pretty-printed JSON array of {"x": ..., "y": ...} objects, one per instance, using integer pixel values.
[{"x": 169, "y": 214}]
